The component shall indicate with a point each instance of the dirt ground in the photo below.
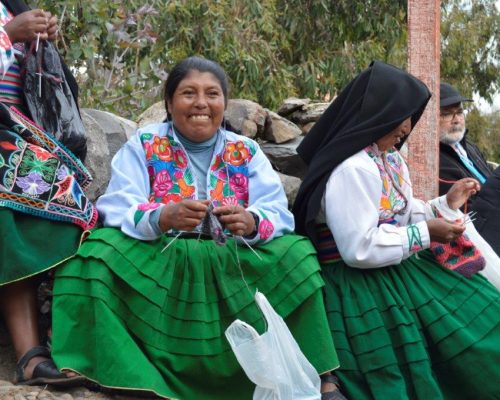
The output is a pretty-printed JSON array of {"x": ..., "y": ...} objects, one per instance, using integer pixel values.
[{"x": 9, "y": 391}]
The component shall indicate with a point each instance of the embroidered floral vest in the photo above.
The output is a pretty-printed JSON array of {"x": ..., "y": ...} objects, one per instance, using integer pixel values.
[
  {"x": 392, "y": 201},
  {"x": 171, "y": 178}
]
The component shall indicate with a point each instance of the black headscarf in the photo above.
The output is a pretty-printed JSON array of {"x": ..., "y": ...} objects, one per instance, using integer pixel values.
[{"x": 374, "y": 103}]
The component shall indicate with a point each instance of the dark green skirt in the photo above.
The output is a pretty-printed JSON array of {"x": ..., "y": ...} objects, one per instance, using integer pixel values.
[
  {"x": 128, "y": 316},
  {"x": 30, "y": 245},
  {"x": 414, "y": 331}
]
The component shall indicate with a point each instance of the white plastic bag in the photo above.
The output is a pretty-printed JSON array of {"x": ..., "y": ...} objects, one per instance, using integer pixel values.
[
  {"x": 491, "y": 270},
  {"x": 273, "y": 360}
]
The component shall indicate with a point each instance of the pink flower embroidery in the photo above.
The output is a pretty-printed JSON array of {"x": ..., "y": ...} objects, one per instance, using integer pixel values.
[
  {"x": 266, "y": 229},
  {"x": 230, "y": 201},
  {"x": 162, "y": 184},
  {"x": 239, "y": 185},
  {"x": 148, "y": 206}
]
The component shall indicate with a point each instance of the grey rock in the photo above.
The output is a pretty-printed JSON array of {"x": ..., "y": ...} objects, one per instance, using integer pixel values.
[
  {"x": 292, "y": 104},
  {"x": 65, "y": 396},
  {"x": 291, "y": 185},
  {"x": 246, "y": 117},
  {"x": 279, "y": 129},
  {"x": 309, "y": 113},
  {"x": 307, "y": 127},
  {"x": 155, "y": 113},
  {"x": 105, "y": 136},
  {"x": 284, "y": 157}
]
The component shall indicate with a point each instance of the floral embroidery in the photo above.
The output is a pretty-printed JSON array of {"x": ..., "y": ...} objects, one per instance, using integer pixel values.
[
  {"x": 171, "y": 198},
  {"x": 46, "y": 166},
  {"x": 148, "y": 206},
  {"x": 239, "y": 185},
  {"x": 162, "y": 183},
  {"x": 171, "y": 177},
  {"x": 392, "y": 201},
  {"x": 40, "y": 177},
  {"x": 236, "y": 153},
  {"x": 161, "y": 147},
  {"x": 180, "y": 159},
  {"x": 33, "y": 184},
  {"x": 230, "y": 201},
  {"x": 266, "y": 229},
  {"x": 40, "y": 153}
]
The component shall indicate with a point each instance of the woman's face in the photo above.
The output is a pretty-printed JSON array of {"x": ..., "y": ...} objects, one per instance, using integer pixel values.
[
  {"x": 197, "y": 106},
  {"x": 395, "y": 136}
]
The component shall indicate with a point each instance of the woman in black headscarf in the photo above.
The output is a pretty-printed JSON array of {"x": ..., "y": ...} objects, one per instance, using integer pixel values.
[{"x": 403, "y": 325}]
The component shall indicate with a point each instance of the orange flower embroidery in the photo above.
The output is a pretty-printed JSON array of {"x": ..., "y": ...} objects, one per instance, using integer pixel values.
[
  {"x": 161, "y": 147},
  {"x": 216, "y": 194},
  {"x": 186, "y": 190},
  {"x": 236, "y": 153}
]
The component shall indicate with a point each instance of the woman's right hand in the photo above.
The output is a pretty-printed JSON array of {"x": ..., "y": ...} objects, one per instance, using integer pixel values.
[
  {"x": 443, "y": 231},
  {"x": 184, "y": 215},
  {"x": 27, "y": 25}
]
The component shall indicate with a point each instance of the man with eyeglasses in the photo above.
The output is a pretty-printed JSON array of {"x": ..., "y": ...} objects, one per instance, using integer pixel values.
[{"x": 458, "y": 157}]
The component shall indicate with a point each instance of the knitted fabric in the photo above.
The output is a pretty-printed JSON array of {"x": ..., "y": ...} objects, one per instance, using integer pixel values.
[{"x": 459, "y": 255}]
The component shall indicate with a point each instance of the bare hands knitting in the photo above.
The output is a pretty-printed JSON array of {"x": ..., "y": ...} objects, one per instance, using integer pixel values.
[
  {"x": 443, "y": 231},
  {"x": 27, "y": 25},
  {"x": 184, "y": 215},
  {"x": 235, "y": 218},
  {"x": 461, "y": 191}
]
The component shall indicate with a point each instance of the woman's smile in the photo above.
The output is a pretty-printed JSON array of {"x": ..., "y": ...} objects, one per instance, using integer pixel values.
[{"x": 197, "y": 106}]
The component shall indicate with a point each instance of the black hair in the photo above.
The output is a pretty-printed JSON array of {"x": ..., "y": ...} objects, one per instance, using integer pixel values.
[{"x": 182, "y": 69}]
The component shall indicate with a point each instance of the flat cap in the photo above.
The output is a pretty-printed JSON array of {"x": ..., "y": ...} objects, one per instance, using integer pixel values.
[{"x": 448, "y": 95}]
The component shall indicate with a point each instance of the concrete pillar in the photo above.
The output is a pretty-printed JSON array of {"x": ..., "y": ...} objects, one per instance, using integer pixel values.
[{"x": 423, "y": 61}]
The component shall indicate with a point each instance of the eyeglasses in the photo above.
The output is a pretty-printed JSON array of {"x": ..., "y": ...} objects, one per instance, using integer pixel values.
[{"x": 449, "y": 115}]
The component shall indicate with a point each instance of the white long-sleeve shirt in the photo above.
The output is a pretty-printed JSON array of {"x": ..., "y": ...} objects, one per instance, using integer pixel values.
[{"x": 357, "y": 201}]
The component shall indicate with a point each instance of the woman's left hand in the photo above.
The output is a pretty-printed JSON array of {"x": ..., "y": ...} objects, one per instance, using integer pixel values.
[
  {"x": 235, "y": 218},
  {"x": 461, "y": 191}
]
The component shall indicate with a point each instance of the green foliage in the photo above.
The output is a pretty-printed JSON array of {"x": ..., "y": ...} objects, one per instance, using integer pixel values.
[
  {"x": 484, "y": 130},
  {"x": 122, "y": 50},
  {"x": 470, "y": 32}
]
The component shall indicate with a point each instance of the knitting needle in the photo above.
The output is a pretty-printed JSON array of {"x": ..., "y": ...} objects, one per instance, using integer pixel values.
[
  {"x": 38, "y": 73},
  {"x": 172, "y": 241}
]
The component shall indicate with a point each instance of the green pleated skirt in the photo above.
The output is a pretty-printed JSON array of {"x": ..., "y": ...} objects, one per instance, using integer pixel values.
[
  {"x": 30, "y": 245},
  {"x": 414, "y": 331},
  {"x": 128, "y": 316}
]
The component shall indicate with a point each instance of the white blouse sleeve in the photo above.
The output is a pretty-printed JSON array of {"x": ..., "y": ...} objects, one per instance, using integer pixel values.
[
  {"x": 351, "y": 206},
  {"x": 268, "y": 200},
  {"x": 125, "y": 204}
]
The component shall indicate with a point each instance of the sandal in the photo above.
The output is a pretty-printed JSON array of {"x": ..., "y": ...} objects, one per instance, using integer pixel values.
[
  {"x": 333, "y": 394},
  {"x": 45, "y": 373}
]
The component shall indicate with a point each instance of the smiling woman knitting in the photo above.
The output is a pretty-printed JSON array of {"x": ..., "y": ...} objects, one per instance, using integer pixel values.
[{"x": 128, "y": 314}]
